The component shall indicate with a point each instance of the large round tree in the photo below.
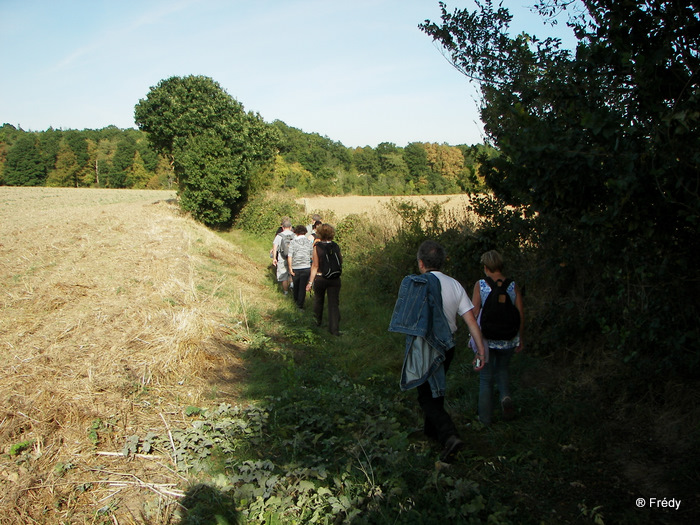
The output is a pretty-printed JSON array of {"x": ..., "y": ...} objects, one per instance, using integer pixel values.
[{"x": 213, "y": 143}]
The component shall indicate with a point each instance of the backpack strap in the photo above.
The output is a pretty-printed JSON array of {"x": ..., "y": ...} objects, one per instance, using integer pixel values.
[{"x": 494, "y": 284}]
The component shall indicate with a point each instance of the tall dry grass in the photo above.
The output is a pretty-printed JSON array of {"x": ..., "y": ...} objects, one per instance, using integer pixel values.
[{"x": 117, "y": 311}]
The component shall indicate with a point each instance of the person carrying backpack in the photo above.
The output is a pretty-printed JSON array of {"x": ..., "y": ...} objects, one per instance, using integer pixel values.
[
  {"x": 299, "y": 262},
  {"x": 499, "y": 310},
  {"x": 326, "y": 268},
  {"x": 280, "y": 247}
]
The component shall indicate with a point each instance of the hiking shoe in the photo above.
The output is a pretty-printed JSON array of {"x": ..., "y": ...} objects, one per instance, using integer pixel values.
[
  {"x": 508, "y": 409},
  {"x": 452, "y": 446}
]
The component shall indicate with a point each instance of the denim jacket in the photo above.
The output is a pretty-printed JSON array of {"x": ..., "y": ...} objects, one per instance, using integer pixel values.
[{"x": 418, "y": 314}]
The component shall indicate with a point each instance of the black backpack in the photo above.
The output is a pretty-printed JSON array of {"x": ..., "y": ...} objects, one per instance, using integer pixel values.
[
  {"x": 500, "y": 319},
  {"x": 330, "y": 265}
]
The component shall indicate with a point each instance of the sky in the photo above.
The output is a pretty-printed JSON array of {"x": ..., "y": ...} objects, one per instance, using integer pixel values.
[{"x": 359, "y": 72}]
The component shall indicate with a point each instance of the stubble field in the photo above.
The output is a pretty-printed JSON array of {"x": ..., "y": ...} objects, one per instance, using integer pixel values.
[
  {"x": 377, "y": 205},
  {"x": 116, "y": 313}
]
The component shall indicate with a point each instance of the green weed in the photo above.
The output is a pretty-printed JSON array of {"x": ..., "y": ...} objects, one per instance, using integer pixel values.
[{"x": 17, "y": 448}]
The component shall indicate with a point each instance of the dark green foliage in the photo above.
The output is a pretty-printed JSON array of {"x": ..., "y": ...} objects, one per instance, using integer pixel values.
[
  {"x": 599, "y": 148},
  {"x": 311, "y": 150},
  {"x": 122, "y": 161},
  {"x": 90, "y": 158},
  {"x": 49, "y": 144},
  {"x": 416, "y": 159},
  {"x": 262, "y": 214},
  {"x": 214, "y": 143},
  {"x": 78, "y": 145},
  {"x": 207, "y": 505},
  {"x": 24, "y": 165},
  {"x": 384, "y": 170},
  {"x": 212, "y": 178}
]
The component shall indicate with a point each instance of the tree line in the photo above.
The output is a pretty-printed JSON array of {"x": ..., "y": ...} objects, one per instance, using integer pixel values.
[
  {"x": 104, "y": 158},
  {"x": 318, "y": 165},
  {"x": 304, "y": 162}
]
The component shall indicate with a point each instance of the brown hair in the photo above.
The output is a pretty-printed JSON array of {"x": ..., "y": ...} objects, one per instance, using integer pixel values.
[{"x": 325, "y": 232}]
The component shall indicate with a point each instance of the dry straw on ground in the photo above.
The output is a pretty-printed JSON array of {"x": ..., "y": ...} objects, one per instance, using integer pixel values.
[{"x": 118, "y": 311}]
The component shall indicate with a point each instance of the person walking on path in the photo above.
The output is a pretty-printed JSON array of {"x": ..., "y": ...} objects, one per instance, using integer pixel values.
[
  {"x": 299, "y": 262},
  {"x": 280, "y": 247},
  {"x": 322, "y": 285},
  {"x": 426, "y": 311},
  {"x": 499, "y": 351}
]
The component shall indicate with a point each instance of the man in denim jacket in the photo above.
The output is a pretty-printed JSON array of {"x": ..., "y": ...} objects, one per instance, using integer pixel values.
[{"x": 426, "y": 312}]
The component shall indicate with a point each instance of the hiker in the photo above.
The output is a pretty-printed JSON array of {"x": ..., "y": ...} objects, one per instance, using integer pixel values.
[
  {"x": 280, "y": 248},
  {"x": 312, "y": 233},
  {"x": 499, "y": 351},
  {"x": 273, "y": 251},
  {"x": 325, "y": 285},
  {"x": 315, "y": 220},
  {"x": 299, "y": 262},
  {"x": 426, "y": 311}
]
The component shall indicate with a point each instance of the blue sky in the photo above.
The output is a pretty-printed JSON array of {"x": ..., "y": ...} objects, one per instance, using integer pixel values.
[{"x": 357, "y": 71}]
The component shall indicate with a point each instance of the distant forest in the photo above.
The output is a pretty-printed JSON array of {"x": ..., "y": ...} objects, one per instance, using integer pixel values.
[{"x": 306, "y": 162}]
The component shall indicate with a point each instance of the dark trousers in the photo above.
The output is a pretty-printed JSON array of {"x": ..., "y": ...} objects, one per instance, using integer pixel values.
[
  {"x": 438, "y": 423},
  {"x": 300, "y": 278},
  {"x": 331, "y": 287}
]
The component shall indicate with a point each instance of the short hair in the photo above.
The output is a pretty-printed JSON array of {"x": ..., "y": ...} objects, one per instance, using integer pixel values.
[
  {"x": 432, "y": 254},
  {"x": 317, "y": 224},
  {"x": 492, "y": 260},
  {"x": 325, "y": 232},
  {"x": 315, "y": 218},
  {"x": 286, "y": 223},
  {"x": 300, "y": 230}
]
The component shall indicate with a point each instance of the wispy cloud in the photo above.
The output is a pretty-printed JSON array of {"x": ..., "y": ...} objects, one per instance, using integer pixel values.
[{"x": 119, "y": 35}]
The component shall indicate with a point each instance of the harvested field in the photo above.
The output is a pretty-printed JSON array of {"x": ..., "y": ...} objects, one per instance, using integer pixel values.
[
  {"x": 376, "y": 206},
  {"x": 117, "y": 311}
]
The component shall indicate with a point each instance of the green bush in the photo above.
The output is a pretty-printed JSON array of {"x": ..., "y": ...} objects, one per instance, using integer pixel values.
[{"x": 262, "y": 213}]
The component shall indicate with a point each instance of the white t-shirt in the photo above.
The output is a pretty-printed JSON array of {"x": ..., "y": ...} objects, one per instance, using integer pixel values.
[{"x": 455, "y": 301}]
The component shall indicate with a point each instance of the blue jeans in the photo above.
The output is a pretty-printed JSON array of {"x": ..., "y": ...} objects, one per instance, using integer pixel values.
[{"x": 497, "y": 368}]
